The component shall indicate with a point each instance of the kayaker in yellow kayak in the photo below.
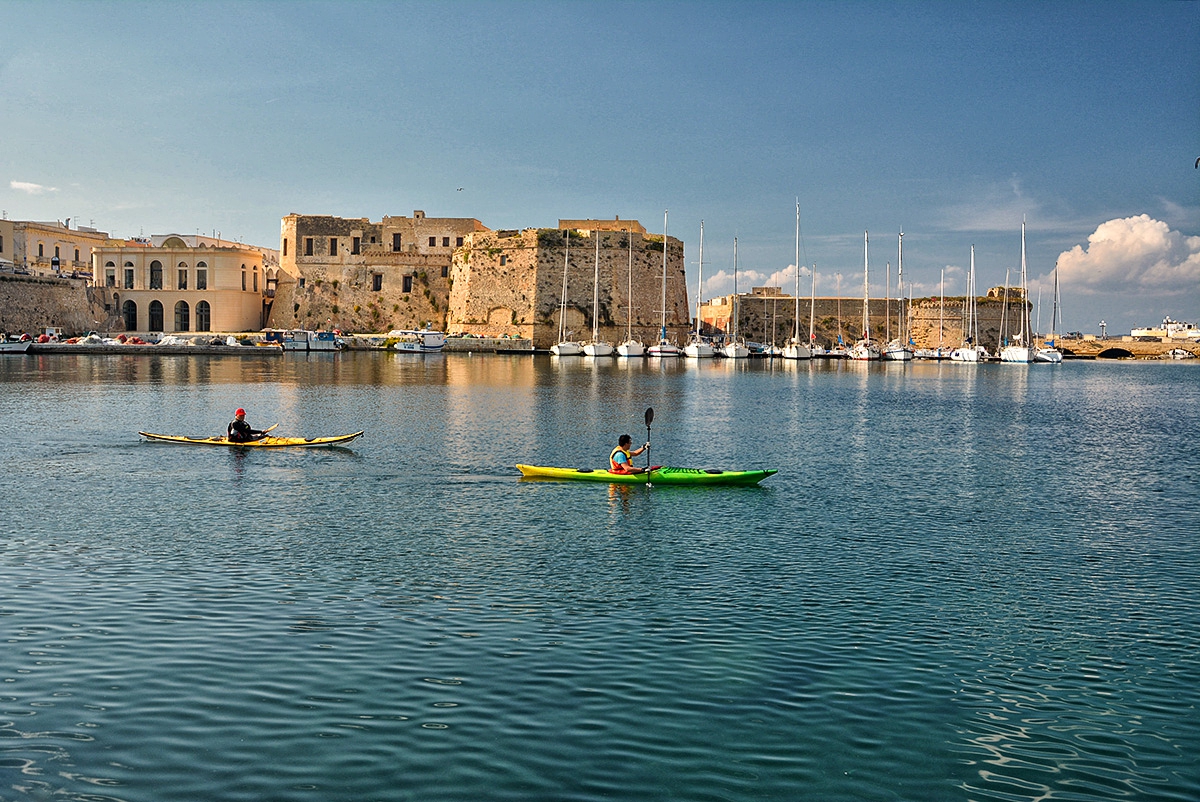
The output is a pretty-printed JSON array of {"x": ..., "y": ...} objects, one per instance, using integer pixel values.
[
  {"x": 620, "y": 460},
  {"x": 239, "y": 431}
]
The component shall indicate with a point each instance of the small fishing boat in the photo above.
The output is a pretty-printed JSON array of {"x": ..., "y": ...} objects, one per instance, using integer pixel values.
[
  {"x": 698, "y": 347},
  {"x": 14, "y": 346},
  {"x": 734, "y": 348},
  {"x": 418, "y": 341},
  {"x": 664, "y": 347},
  {"x": 657, "y": 475},
  {"x": 596, "y": 346},
  {"x": 865, "y": 349},
  {"x": 263, "y": 442},
  {"x": 565, "y": 347},
  {"x": 794, "y": 348}
]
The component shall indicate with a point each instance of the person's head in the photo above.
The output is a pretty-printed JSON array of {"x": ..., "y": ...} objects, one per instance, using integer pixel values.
[
  {"x": 625, "y": 441},
  {"x": 241, "y": 413}
]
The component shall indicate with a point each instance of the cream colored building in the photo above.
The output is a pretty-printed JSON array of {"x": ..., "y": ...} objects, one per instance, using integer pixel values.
[
  {"x": 181, "y": 286},
  {"x": 48, "y": 249}
]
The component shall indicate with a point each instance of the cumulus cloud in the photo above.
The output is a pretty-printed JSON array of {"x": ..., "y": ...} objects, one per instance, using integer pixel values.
[
  {"x": 30, "y": 188},
  {"x": 1133, "y": 255}
]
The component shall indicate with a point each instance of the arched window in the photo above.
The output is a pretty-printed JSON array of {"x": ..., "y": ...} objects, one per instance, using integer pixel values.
[
  {"x": 182, "y": 317},
  {"x": 256, "y": 278},
  {"x": 201, "y": 275},
  {"x": 110, "y": 274},
  {"x": 156, "y": 277},
  {"x": 183, "y": 275},
  {"x": 156, "y": 316},
  {"x": 76, "y": 254},
  {"x": 243, "y": 278},
  {"x": 203, "y": 317},
  {"x": 129, "y": 313}
]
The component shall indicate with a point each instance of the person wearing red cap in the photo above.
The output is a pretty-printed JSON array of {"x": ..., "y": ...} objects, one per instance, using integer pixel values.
[{"x": 239, "y": 431}]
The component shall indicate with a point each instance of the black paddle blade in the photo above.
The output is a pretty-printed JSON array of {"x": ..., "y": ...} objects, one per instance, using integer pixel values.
[{"x": 649, "y": 415}]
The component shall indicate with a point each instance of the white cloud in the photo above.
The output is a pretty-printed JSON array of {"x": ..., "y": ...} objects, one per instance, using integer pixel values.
[
  {"x": 30, "y": 188},
  {"x": 1133, "y": 255}
]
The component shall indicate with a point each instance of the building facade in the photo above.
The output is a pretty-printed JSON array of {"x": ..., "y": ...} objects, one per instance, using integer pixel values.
[
  {"x": 48, "y": 249},
  {"x": 179, "y": 287},
  {"x": 358, "y": 275}
]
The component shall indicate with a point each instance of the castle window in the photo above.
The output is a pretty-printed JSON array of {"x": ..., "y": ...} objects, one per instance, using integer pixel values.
[
  {"x": 284, "y": 253},
  {"x": 302, "y": 282},
  {"x": 445, "y": 243},
  {"x": 458, "y": 241},
  {"x": 503, "y": 259},
  {"x": 433, "y": 242},
  {"x": 396, "y": 242},
  {"x": 445, "y": 270},
  {"x": 355, "y": 245},
  {"x": 408, "y": 284},
  {"x": 377, "y": 282},
  {"x": 333, "y": 246},
  {"x": 308, "y": 246}
]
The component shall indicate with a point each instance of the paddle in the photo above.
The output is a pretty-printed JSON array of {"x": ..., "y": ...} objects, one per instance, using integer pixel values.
[
  {"x": 649, "y": 419},
  {"x": 270, "y": 428}
]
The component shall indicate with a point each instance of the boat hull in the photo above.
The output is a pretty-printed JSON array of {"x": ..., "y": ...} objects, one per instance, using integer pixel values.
[
  {"x": 265, "y": 442},
  {"x": 566, "y": 349},
  {"x": 694, "y": 477},
  {"x": 598, "y": 349},
  {"x": 15, "y": 347},
  {"x": 631, "y": 348}
]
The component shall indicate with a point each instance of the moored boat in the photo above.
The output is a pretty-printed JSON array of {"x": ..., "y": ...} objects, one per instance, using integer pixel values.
[{"x": 418, "y": 341}]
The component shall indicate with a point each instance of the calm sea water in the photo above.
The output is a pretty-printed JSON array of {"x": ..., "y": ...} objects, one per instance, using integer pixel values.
[{"x": 965, "y": 583}]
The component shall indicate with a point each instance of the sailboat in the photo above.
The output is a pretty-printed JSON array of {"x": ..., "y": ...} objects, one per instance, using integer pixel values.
[
  {"x": 897, "y": 350},
  {"x": 865, "y": 349},
  {"x": 630, "y": 347},
  {"x": 697, "y": 348},
  {"x": 794, "y": 349},
  {"x": 838, "y": 349},
  {"x": 596, "y": 346},
  {"x": 970, "y": 350},
  {"x": 565, "y": 347},
  {"x": 735, "y": 349},
  {"x": 1047, "y": 352},
  {"x": 1023, "y": 353},
  {"x": 664, "y": 347},
  {"x": 941, "y": 352}
]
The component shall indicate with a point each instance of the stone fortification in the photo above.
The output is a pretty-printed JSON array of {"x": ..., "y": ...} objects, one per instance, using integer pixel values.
[
  {"x": 510, "y": 283},
  {"x": 30, "y": 304},
  {"x": 356, "y": 275},
  {"x": 771, "y": 318}
]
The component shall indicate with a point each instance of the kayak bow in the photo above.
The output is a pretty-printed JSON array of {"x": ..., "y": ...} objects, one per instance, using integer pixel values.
[
  {"x": 658, "y": 476},
  {"x": 264, "y": 442}
]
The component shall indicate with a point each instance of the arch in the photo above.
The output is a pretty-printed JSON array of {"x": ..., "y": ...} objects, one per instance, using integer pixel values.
[
  {"x": 110, "y": 264},
  {"x": 174, "y": 242},
  {"x": 129, "y": 315},
  {"x": 183, "y": 316},
  {"x": 203, "y": 317},
  {"x": 1114, "y": 353},
  {"x": 500, "y": 316},
  {"x": 156, "y": 316}
]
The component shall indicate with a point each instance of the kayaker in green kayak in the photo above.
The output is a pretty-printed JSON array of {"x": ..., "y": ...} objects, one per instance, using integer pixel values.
[
  {"x": 620, "y": 460},
  {"x": 239, "y": 431}
]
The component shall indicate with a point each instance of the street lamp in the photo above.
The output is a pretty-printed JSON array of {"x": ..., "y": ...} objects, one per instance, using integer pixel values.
[{"x": 1103, "y": 330}]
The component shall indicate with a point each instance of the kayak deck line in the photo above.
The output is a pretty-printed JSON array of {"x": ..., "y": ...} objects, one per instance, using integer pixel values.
[
  {"x": 263, "y": 442},
  {"x": 657, "y": 475}
]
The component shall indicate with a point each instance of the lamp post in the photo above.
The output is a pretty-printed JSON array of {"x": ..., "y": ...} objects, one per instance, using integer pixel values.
[{"x": 1103, "y": 330}]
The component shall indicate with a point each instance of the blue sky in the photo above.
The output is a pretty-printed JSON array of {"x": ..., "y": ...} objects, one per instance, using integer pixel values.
[{"x": 950, "y": 120}]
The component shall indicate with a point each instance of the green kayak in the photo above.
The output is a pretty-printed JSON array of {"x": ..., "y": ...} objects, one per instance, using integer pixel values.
[{"x": 660, "y": 475}]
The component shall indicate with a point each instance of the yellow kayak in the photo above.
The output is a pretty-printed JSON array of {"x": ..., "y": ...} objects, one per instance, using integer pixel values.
[{"x": 264, "y": 442}]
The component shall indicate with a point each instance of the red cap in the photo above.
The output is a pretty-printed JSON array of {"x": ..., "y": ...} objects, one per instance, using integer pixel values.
[{"x": 240, "y": 411}]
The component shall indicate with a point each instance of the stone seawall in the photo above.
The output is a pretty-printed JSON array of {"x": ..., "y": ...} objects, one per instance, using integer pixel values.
[{"x": 31, "y": 304}]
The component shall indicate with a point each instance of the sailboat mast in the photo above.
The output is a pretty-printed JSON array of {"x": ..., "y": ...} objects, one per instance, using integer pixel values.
[
  {"x": 887, "y": 302},
  {"x": 663, "y": 332},
  {"x": 562, "y": 309},
  {"x": 733, "y": 328},
  {"x": 941, "y": 311},
  {"x": 1024, "y": 292},
  {"x": 700, "y": 279},
  {"x": 866, "y": 292},
  {"x": 812, "y": 305},
  {"x": 796, "y": 328},
  {"x": 900, "y": 316},
  {"x": 596, "y": 291}
]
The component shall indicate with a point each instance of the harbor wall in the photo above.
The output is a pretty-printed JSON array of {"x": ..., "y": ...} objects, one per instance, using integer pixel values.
[{"x": 29, "y": 304}]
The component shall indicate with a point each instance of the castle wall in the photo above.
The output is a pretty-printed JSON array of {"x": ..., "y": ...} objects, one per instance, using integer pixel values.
[
  {"x": 29, "y": 304},
  {"x": 507, "y": 283}
]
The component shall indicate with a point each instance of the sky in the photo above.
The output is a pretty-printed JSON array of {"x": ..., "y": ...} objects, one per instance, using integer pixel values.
[{"x": 950, "y": 121}]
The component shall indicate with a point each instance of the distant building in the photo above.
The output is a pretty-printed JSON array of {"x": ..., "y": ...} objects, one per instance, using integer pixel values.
[
  {"x": 183, "y": 284},
  {"x": 48, "y": 249},
  {"x": 1170, "y": 330}
]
